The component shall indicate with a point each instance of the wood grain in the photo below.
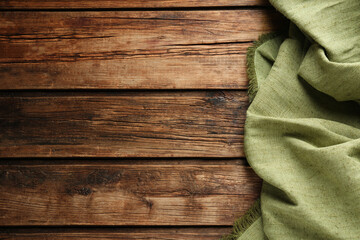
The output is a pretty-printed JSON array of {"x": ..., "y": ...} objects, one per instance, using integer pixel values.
[
  {"x": 126, "y": 194},
  {"x": 61, "y": 4},
  {"x": 122, "y": 124},
  {"x": 129, "y": 49},
  {"x": 169, "y": 233},
  {"x": 114, "y": 233}
]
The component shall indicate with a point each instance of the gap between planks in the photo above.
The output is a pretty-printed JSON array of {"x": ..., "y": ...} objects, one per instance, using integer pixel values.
[
  {"x": 89, "y": 4},
  {"x": 115, "y": 233},
  {"x": 124, "y": 161}
]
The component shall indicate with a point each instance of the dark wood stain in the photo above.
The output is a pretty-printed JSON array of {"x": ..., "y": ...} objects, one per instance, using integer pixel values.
[
  {"x": 85, "y": 191},
  {"x": 22, "y": 177}
]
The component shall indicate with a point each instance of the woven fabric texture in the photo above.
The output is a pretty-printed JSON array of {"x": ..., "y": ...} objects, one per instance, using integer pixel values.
[{"x": 302, "y": 132}]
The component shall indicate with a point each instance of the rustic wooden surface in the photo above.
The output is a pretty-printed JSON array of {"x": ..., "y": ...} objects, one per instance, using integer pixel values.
[
  {"x": 138, "y": 193},
  {"x": 61, "y": 4},
  {"x": 123, "y": 124},
  {"x": 124, "y": 119},
  {"x": 128, "y": 49},
  {"x": 199, "y": 233}
]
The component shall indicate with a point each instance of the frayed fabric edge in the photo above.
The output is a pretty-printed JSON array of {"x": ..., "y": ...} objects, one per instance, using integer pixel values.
[
  {"x": 253, "y": 214},
  {"x": 243, "y": 223},
  {"x": 250, "y": 63}
]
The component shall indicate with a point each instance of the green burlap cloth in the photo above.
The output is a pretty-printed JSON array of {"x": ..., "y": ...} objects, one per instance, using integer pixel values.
[{"x": 302, "y": 131}]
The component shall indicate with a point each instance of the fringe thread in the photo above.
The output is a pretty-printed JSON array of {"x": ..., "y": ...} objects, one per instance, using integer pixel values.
[
  {"x": 244, "y": 222},
  {"x": 250, "y": 63}
]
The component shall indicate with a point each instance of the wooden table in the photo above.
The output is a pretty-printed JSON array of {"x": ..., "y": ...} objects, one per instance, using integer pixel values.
[{"x": 124, "y": 119}]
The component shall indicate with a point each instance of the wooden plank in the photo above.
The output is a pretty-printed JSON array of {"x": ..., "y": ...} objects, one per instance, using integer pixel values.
[
  {"x": 126, "y": 194},
  {"x": 169, "y": 233},
  {"x": 97, "y": 4},
  {"x": 129, "y": 49},
  {"x": 122, "y": 124}
]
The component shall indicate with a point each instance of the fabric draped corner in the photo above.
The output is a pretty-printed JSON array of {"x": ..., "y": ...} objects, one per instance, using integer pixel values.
[{"x": 302, "y": 131}]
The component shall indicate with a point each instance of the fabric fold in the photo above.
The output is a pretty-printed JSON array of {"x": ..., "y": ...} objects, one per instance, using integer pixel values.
[{"x": 302, "y": 130}]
